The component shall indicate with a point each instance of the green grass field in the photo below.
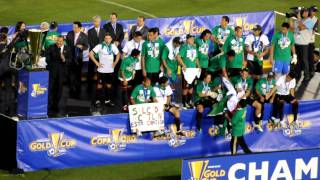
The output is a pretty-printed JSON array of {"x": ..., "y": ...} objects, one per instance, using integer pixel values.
[{"x": 63, "y": 11}]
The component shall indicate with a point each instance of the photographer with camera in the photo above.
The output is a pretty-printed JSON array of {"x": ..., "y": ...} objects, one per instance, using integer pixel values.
[{"x": 302, "y": 28}]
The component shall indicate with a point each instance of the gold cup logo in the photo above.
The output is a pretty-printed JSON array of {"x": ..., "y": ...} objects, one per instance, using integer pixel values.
[
  {"x": 187, "y": 26},
  {"x": 115, "y": 134},
  {"x": 197, "y": 169},
  {"x": 55, "y": 139}
]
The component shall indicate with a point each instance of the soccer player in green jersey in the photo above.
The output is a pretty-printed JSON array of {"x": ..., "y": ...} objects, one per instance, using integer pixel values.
[
  {"x": 169, "y": 58},
  {"x": 236, "y": 43},
  {"x": 238, "y": 129},
  {"x": 143, "y": 93},
  {"x": 281, "y": 49},
  {"x": 203, "y": 44},
  {"x": 244, "y": 83},
  {"x": 220, "y": 34},
  {"x": 188, "y": 58},
  {"x": 126, "y": 76},
  {"x": 263, "y": 90},
  {"x": 203, "y": 97},
  {"x": 151, "y": 56}
]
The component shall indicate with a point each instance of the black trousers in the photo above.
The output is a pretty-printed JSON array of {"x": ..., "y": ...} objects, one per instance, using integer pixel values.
[
  {"x": 278, "y": 106},
  {"x": 154, "y": 77},
  {"x": 56, "y": 81},
  {"x": 90, "y": 75},
  {"x": 311, "y": 57},
  {"x": 8, "y": 93},
  {"x": 235, "y": 142},
  {"x": 137, "y": 78},
  {"x": 74, "y": 74},
  {"x": 303, "y": 61}
]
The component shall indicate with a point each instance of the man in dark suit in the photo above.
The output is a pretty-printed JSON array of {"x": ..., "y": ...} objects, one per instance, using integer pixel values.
[
  {"x": 115, "y": 29},
  {"x": 57, "y": 56},
  {"x": 141, "y": 27},
  {"x": 77, "y": 41},
  {"x": 95, "y": 36}
]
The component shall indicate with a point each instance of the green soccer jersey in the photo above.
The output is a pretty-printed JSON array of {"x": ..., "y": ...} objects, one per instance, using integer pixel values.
[
  {"x": 264, "y": 86},
  {"x": 50, "y": 39},
  {"x": 170, "y": 58},
  {"x": 152, "y": 53},
  {"x": 202, "y": 87},
  {"x": 282, "y": 46},
  {"x": 221, "y": 34},
  {"x": 239, "y": 122},
  {"x": 216, "y": 63},
  {"x": 245, "y": 85},
  {"x": 203, "y": 49},
  {"x": 127, "y": 67},
  {"x": 141, "y": 95},
  {"x": 189, "y": 55},
  {"x": 236, "y": 44}
]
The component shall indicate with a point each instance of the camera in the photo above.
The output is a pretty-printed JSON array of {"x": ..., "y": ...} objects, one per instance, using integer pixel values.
[{"x": 295, "y": 11}]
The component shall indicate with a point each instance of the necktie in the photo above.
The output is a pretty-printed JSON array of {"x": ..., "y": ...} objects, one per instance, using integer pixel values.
[
  {"x": 97, "y": 29},
  {"x": 114, "y": 28}
]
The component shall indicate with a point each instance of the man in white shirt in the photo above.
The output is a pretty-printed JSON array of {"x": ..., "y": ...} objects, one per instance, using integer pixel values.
[
  {"x": 285, "y": 92},
  {"x": 135, "y": 43},
  {"x": 257, "y": 46},
  {"x": 163, "y": 95},
  {"x": 106, "y": 64}
]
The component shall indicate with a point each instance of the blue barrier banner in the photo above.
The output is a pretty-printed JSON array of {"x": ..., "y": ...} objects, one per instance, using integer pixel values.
[
  {"x": 302, "y": 164},
  {"x": 179, "y": 26},
  {"x": 102, "y": 140},
  {"x": 33, "y": 94}
]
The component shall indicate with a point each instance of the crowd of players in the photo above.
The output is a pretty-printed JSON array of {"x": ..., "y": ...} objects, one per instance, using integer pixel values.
[{"x": 226, "y": 78}]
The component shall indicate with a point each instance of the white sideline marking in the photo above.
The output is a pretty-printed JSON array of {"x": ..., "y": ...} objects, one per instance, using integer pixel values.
[
  {"x": 128, "y": 7},
  {"x": 283, "y": 14}
]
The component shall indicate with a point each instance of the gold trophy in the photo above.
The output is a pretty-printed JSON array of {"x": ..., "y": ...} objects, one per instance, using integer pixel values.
[{"x": 35, "y": 41}]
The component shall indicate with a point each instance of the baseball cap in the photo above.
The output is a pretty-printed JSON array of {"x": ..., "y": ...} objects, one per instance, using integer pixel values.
[{"x": 257, "y": 27}]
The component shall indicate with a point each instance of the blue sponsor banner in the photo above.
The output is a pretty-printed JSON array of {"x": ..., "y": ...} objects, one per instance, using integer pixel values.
[
  {"x": 102, "y": 140},
  {"x": 302, "y": 164},
  {"x": 33, "y": 94},
  {"x": 180, "y": 26}
]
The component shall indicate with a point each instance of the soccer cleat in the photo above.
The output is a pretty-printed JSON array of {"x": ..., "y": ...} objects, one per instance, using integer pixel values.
[
  {"x": 258, "y": 127},
  {"x": 125, "y": 108},
  {"x": 97, "y": 104},
  {"x": 109, "y": 103},
  {"x": 283, "y": 124},
  {"x": 180, "y": 133}
]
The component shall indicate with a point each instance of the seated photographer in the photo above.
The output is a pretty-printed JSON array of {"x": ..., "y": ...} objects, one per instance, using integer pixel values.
[{"x": 163, "y": 95}]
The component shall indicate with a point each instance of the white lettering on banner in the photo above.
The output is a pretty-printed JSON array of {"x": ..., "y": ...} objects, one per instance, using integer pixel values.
[
  {"x": 311, "y": 166},
  {"x": 281, "y": 171},
  {"x": 234, "y": 168},
  {"x": 263, "y": 172},
  {"x": 146, "y": 117}
]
